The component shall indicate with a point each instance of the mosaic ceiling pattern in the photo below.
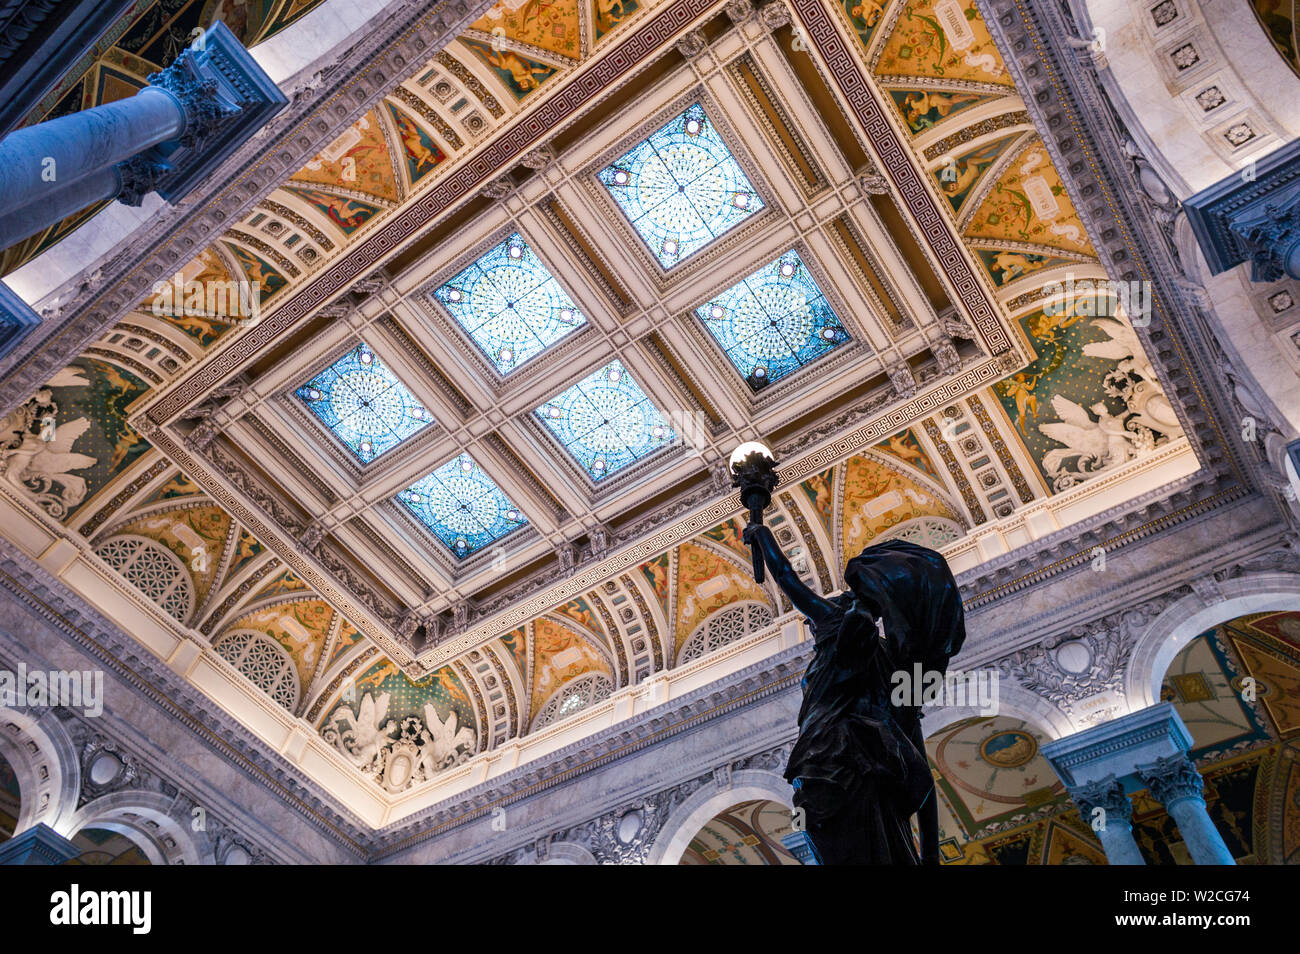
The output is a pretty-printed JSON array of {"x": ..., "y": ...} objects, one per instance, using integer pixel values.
[
  {"x": 461, "y": 505},
  {"x": 773, "y": 322},
  {"x": 681, "y": 188},
  {"x": 510, "y": 304},
  {"x": 364, "y": 404},
  {"x": 606, "y": 421}
]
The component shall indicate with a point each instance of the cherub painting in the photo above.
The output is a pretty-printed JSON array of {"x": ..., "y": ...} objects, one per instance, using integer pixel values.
[
  {"x": 422, "y": 153},
  {"x": 1020, "y": 387},
  {"x": 923, "y": 109}
]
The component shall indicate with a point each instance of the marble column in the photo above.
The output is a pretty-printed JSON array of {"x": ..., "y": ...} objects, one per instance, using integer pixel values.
[
  {"x": 38, "y": 845},
  {"x": 1107, "y": 809},
  {"x": 1252, "y": 216},
  {"x": 1176, "y": 784},
  {"x": 166, "y": 138}
]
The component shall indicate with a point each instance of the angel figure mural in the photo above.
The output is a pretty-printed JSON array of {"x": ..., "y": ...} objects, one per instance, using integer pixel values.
[
  {"x": 362, "y": 734},
  {"x": 1020, "y": 387}
]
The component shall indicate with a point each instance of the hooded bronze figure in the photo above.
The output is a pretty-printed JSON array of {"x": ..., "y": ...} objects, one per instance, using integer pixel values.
[{"x": 859, "y": 768}]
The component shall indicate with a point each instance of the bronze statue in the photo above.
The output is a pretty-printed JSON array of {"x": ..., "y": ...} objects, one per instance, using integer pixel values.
[{"x": 859, "y": 767}]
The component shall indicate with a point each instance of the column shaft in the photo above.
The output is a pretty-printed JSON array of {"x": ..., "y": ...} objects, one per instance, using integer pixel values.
[
  {"x": 71, "y": 147},
  {"x": 1119, "y": 844},
  {"x": 41, "y": 214},
  {"x": 1176, "y": 784},
  {"x": 1204, "y": 843}
]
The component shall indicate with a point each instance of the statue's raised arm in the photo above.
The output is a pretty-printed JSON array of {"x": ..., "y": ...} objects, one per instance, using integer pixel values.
[{"x": 817, "y": 608}]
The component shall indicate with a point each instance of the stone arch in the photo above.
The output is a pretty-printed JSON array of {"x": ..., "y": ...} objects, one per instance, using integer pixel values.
[
  {"x": 567, "y": 853},
  {"x": 1014, "y": 701},
  {"x": 1186, "y": 619},
  {"x": 159, "y": 826},
  {"x": 691, "y": 815},
  {"x": 45, "y": 763}
]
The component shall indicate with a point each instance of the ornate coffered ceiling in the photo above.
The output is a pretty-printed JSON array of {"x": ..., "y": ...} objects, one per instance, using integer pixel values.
[{"x": 983, "y": 393}]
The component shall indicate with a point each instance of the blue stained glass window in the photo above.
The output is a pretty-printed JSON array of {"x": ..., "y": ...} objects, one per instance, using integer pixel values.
[
  {"x": 606, "y": 421},
  {"x": 461, "y": 506},
  {"x": 682, "y": 187},
  {"x": 364, "y": 404},
  {"x": 773, "y": 322},
  {"x": 510, "y": 304}
]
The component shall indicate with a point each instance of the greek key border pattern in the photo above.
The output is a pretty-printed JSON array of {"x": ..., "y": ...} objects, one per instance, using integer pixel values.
[{"x": 894, "y": 158}]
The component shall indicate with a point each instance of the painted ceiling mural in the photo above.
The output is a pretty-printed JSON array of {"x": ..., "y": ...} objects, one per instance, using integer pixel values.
[
  {"x": 1086, "y": 406},
  {"x": 1001, "y": 803}
]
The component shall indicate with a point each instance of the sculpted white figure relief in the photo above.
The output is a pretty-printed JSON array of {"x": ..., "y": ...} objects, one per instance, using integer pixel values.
[
  {"x": 36, "y": 452},
  {"x": 398, "y": 756},
  {"x": 1113, "y": 438}
]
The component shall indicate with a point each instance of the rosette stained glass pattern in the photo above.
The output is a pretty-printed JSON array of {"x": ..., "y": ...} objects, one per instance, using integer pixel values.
[
  {"x": 462, "y": 506},
  {"x": 773, "y": 322},
  {"x": 510, "y": 305},
  {"x": 681, "y": 188},
  {"x": 364, "y": 404},
  {"x": 606, "y": 421}
]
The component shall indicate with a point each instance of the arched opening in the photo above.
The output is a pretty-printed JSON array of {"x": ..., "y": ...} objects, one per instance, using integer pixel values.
[
  {"x": 577, "y": 694},
  {"x": 264, "y": 662},
  {"x": 747, "y": 833},
  {"x": 153, "y": 570},
  {"x": 10, "y": 800},
  {"x": 100, "y": 846},
  {"x": 727, "y": 625},
  {"x": 1236, "y": 686}
]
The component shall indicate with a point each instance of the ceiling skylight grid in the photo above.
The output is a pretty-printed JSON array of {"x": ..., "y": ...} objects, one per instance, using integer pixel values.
[
  {"x": 773, "y": 322},
  {"x": 681, "y": 188},
  {"x": 510, "y": 304},
  {"x": 606, "y": 421},
  {"x": 364, "y": 404},
  {"x": 462, "y": 506}
]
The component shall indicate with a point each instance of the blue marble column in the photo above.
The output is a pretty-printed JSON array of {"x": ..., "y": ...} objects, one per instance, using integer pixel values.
[
  {"x": 1144, "y": 749},
  {"x": 166, "y": 138},
  {"x": 1107, "y": 809},
  {"x": 1252, "y": 216},
  {"x": 1176, "y": 784},
  {"x": 38, "y": 845}
]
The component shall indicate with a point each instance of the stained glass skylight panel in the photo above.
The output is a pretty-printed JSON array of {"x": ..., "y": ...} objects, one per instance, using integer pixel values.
[
  {"x": 510, "y": 304},
  {"x": 606, "y": 421},
  {"x": 364, "y": 404},
  {"x": 462, "y": 506},
  {"x": 773, "y": 322},
  {"x": 681, "y": 188}
]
